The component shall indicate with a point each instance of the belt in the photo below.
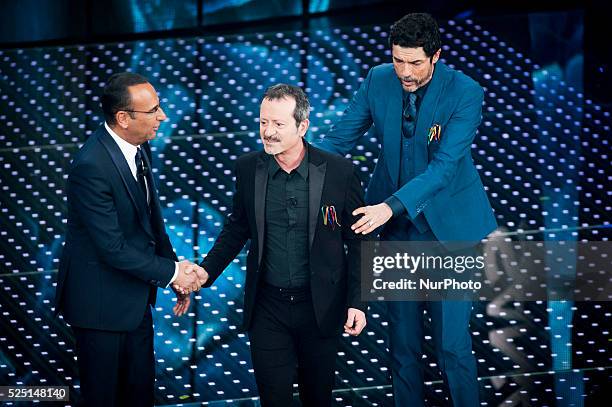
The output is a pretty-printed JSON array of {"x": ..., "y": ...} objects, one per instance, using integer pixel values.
[{"x": 291, "y": 294}]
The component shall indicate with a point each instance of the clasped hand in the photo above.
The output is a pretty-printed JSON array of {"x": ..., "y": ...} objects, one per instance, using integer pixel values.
[{"x": 191, "y": 277}]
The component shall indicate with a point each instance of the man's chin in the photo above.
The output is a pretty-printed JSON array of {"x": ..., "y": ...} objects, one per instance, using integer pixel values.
[
  {"x": 410, "y": 88},
  {"x": 270, "y": 150}
]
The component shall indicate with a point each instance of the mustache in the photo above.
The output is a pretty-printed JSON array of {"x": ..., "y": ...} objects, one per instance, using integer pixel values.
[
  {"x": 408, "y": 78},
  {"x": 271, "y": 138}
]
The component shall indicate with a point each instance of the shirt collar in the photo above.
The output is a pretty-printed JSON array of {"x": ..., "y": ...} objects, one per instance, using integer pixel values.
[
  {"x": 302, "y": 169},
  {"x": 128, "y": 150}
]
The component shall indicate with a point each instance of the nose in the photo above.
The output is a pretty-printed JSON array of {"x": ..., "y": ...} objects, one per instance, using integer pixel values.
[
  {"x": 268, "y": 131},
  {"x": 161, "y": 115},
  {"x": 406, "y": 70}
]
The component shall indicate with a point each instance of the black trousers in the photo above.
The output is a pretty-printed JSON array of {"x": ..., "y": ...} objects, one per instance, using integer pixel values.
[
  {"x": 117, "y": 368},
  {"x": 285, "y": 342}
]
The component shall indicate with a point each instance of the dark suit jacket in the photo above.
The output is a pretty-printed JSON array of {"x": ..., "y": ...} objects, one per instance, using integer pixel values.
[
  {"x": 334, "y": 274},
  {"x": 114, "y": 257}
]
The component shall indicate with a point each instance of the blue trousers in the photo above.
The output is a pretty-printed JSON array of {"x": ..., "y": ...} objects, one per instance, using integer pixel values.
[
  {"x": 451, "y": 337},
  {"x": 453, "y": 349}
]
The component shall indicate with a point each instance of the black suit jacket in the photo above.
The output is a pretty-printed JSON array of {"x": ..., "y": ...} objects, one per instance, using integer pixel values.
[
  {"x": 334, "y": 273},
  {"x": 114, "y": 257}
]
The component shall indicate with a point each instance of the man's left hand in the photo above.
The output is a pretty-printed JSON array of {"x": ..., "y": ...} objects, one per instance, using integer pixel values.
[
  {"x": 182, "y": 304},
  {"x": 355, "y": 321},
  {"x": 373, "y": 217}
]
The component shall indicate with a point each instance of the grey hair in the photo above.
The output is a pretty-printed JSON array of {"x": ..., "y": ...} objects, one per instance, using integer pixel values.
[{"x": 282, "y": 91}]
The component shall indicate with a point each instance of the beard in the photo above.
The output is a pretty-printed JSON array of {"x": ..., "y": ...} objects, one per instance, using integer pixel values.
[
  {"x": 273, "y": 148},
  {"x": 416, "y": 82}
]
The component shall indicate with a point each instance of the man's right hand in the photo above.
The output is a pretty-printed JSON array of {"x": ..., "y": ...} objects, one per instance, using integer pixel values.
[{"x": 190, "y": 278}]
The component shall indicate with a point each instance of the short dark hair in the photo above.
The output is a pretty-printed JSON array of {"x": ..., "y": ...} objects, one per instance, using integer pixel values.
[
  {"x": 282, "y": 90},
  {"x": 416, "y": 30},
  {"x": 116, "y": 95}
]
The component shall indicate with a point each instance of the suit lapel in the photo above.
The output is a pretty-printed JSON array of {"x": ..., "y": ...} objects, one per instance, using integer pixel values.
[
  {"x": 316, "y": 179},
  {"x": 393, "y": 129},
  {"x": 126, "y": 176},
  {"x": 261, "y": 186},
  {"x": 426, "y": 114}
]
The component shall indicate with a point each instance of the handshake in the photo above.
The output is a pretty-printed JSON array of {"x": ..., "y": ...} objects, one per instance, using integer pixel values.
[{"x": 191, "y": 277}]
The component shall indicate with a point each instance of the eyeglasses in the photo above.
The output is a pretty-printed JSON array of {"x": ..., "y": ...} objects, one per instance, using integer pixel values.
[{"x": 149, "y": 112}]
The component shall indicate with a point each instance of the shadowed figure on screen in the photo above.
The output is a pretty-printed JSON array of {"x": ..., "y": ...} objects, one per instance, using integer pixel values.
[
  {"x": 424, "y": 187},
  {"x": 294, "y": 203},
  {"x": 117, "y": 252}
]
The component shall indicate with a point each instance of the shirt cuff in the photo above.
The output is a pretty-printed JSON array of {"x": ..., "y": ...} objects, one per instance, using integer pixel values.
[
  {"x": 396, "y": 206},
  {"x": 176, "y": 270}
]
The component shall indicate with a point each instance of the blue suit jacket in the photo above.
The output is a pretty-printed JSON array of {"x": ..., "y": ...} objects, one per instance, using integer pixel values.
[{"x": 447, "y": 187}]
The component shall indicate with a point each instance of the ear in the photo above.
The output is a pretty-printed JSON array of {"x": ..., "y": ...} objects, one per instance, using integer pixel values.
[
  {"x": 303, "y": 127},
  {"x": 122, "y": 119},
  {"x": 436, "y": 56}
]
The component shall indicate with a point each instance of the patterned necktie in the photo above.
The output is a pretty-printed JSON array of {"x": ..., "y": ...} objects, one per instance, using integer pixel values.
[
  {"x": 141, "y": 172},
  {"x": 409, "y": 115}
]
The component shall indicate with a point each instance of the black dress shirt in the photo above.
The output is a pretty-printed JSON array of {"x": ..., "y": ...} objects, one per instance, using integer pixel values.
[{"x": 286, "y": 252}]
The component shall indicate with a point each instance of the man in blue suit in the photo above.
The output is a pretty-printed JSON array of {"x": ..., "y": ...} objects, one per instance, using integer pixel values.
[{"x": 425, "y": 187}]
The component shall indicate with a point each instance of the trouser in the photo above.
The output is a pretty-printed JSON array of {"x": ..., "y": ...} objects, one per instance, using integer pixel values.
[
  {"x": 452, "y": 344},
  {"x": 451, "y": 338},
  {"x": 285, "y": 342},
  {"x": 117, "y": 368}
]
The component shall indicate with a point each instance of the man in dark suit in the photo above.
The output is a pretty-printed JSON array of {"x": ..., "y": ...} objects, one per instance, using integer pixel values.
[
  {"x": 117, "y": 252},
  {"x": 294, "y": 203},
  {"x": 425, "y": 187}
]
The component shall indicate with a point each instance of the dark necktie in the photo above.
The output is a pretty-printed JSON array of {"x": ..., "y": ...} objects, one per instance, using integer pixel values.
[
  {"x": 409, "y": 115},
  {"x": 141, "y": 173}
]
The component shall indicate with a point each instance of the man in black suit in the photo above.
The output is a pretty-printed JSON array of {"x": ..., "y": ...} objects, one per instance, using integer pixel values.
[
  {"x": 295, "y": 203},
  {"x": 117, "y": 252}
]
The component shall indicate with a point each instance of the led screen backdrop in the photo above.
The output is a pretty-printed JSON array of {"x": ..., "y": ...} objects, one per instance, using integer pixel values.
[{"x": 542, "y": 151}]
